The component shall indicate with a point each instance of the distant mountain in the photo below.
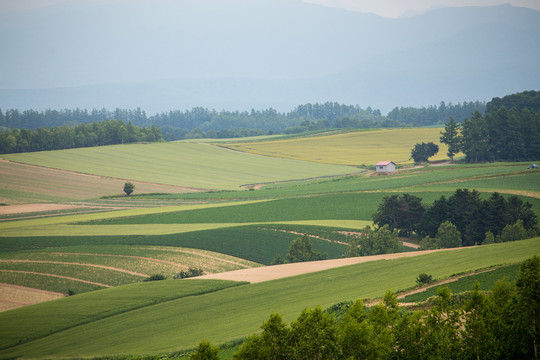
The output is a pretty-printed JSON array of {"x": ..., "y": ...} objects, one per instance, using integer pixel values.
[{"x": 243, "y": 54}]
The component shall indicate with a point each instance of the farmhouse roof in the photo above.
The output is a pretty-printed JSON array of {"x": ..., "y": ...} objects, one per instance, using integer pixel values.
[{"x": 383, "y": 163}]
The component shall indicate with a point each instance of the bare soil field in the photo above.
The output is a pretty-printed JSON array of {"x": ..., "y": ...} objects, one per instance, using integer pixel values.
[
  {"x": 14, "y": 296},
  {"x": 24, "y": 184},
  {"x": 267, "y": 273}
]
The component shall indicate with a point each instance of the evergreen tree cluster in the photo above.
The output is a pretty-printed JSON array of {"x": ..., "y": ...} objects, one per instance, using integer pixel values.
[
  {"x": 435, "y": 114},
  {"x": 465, "y": 214},
  {"x": 500, "y": 324},
  {"x": 509, "y": 131},
  {"x": 108, "y": 132}
]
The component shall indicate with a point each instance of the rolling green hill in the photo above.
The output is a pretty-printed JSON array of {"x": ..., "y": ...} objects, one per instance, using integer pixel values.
[
  {"x": 220, "y": 316},
  {"x": 202, "y": 166}
]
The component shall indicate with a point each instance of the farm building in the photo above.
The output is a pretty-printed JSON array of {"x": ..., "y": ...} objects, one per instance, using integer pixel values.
[{"x": 385, "y": 166}]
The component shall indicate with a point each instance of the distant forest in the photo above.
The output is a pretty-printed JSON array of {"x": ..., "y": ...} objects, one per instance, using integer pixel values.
[
  {"x": 506, "y": 128},
  {"x": 201, "y": 122}
]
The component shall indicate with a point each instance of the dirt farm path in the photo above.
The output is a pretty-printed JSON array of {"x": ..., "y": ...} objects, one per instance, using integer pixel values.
[{"x": 267, "y": 273}]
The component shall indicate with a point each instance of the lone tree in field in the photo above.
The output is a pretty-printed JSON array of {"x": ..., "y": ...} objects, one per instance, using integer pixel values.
[
  {"x": 128, "y": 188},
  {"x": 300, "y": 250},
  {"x": 422, "y": 152}
]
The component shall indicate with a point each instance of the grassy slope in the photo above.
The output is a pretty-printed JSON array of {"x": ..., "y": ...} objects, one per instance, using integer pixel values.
[
  {"x": 237, "y": 312},
  {"x": 22, "y": 325},
  {"x": 180, "y": 163}
]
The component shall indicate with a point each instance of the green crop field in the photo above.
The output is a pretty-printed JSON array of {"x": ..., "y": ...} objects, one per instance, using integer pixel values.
[
  {"x": 353, "y": 148},
  {"x": 485, "y": 279},
  {"x": 185, "y": 164},
  {"x": 224, "y": 315}
]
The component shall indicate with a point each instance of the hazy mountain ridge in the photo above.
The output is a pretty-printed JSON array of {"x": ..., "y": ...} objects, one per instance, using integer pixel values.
[{"x": 242, "y": 54}]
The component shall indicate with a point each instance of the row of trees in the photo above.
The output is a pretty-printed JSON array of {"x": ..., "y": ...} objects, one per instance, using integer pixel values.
[
  {"x": 202, "y": 122},
  {"x": 472, "y": 216},
  {"x": 509, "y": 131},
  {"x": 106, "y": 132},
  {"x": 501, "y": 324}
]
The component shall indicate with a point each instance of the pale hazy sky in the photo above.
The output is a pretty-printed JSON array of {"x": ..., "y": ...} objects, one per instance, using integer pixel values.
[
  {"x": 386, "y": 8},
  {"x": 396, "y": 8}
]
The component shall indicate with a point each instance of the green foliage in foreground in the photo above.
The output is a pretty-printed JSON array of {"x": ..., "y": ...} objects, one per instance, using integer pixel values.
[
  {"x": 486, "y": 280},
  {"x": 500, "y": 325},
  {"x": 180, "y": 324}
]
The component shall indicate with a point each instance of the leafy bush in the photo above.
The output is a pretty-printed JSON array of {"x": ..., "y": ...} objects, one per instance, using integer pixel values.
[
  {"x": 191, "y": 272},
  {"x": 424, "y": 278},
  {"x": 156, "y": 277}
]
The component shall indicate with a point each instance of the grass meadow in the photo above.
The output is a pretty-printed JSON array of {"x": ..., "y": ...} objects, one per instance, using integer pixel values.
[{"x": 227, "y": 314}]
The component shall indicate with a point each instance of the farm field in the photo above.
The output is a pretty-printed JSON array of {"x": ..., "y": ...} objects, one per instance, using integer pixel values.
[
  {"x": 99, "y": 247},
  {"x": 353, "y": 148},
  {"x": 23, "y": 184},
  {"x": 88, "y": 268},
  {"x": 241, "y": 309},
  {"x": 201, "y": 166}
]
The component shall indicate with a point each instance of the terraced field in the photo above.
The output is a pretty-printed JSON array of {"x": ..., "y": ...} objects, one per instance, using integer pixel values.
[{"x": 80, "y": 269}]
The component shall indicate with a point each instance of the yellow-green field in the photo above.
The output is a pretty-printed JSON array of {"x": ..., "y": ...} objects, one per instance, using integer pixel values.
[
  {"x": 354, "y": 148},
  {"x": 202, "y": 166}
]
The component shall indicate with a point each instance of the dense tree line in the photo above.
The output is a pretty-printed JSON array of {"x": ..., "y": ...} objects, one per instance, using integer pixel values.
[
  {"x": 500, "y": 324},
  {"x": 523, "y": 100},
  {"x": 202, "y": 122},
  {"x": 472, "y": 216},
  {"x": 435, "y": 114},
  {"x": 106, "y": 132},
  {"x": 509, "y": 131}
]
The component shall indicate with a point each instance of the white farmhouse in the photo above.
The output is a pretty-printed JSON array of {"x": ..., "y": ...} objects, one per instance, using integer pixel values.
[{"x": 385, "y": 166}]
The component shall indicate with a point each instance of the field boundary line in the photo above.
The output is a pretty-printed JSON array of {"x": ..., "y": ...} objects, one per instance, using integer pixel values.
[{"x": 57, "y": 276}]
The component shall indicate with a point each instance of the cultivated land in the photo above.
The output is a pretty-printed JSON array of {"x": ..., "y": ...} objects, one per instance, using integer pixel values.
[
  {"x": 354, "y": 148},
  {"x": 136, "y": 326},
  {"x": 85, "y": 243},
  {"x": 181, "y": 164}
]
